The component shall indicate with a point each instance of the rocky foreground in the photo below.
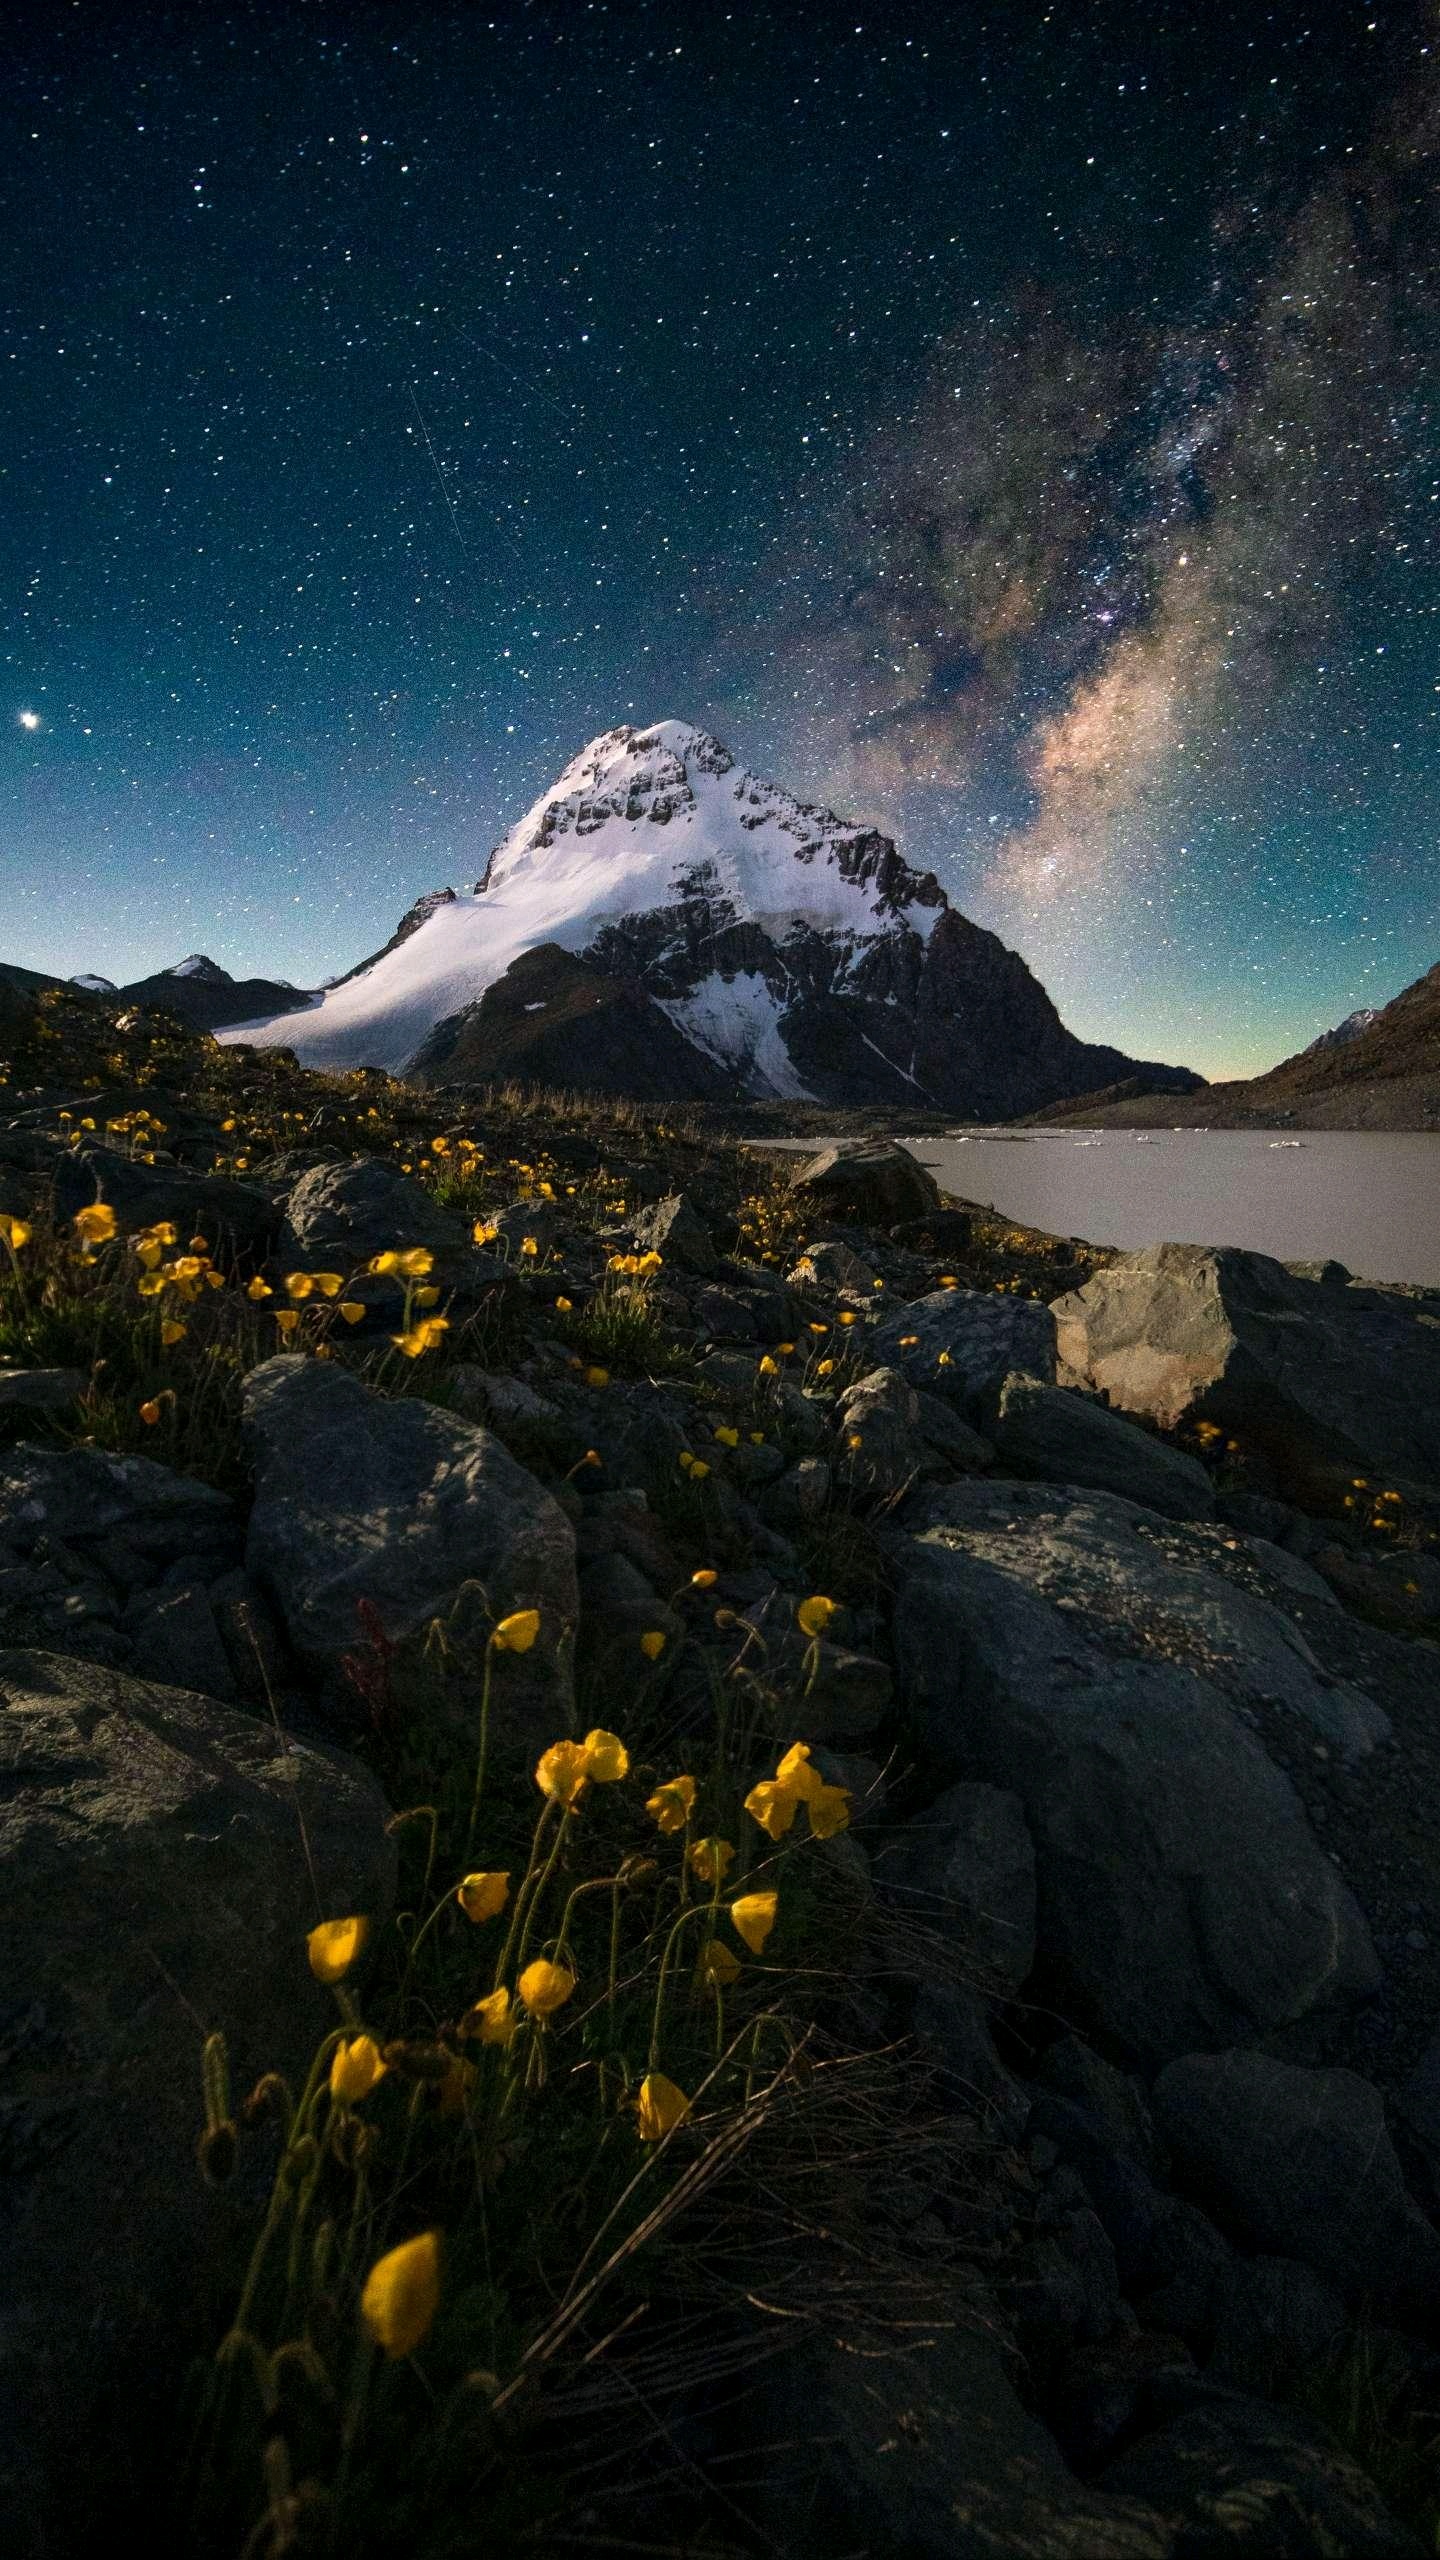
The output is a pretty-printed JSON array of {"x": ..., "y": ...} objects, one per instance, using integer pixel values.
[{"x": 1128, "y": 1665}]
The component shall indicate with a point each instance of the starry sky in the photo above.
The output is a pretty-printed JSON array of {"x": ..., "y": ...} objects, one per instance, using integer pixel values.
[{"x": 1015, "y": 426}]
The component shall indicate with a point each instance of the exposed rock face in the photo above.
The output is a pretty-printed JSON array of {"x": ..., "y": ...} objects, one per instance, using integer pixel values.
[
  {"x": 1327, "y": 1379},
  {"x": 205, "y": 996},
  {"x": 1300, "y": 2162},
  {"x": 556, "y": 1020},
  {"x": 1183, "y": 1900},
  {"x": 1054, "y": 1433},
  {"x": 391, "y": 1503},
  {"x": 340, "y": 1215},
  {"x": 152, "y": 1886},
  {"x": 1232, "y": 2456},
  {"x": 966, "y": 1867}
]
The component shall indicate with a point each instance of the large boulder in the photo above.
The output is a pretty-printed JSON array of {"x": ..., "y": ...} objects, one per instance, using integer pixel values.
[
  {"x": 675, "y": 1230},
  {"x": 1053, "y": 1432},
  {"x": 965, "y": 1868},
  {"x": 1183, "y": 1901},
  {"x": 964, "y": 1343},
  {"x": 128, "y": 1516},
  {"x": 385, "y": 1505},
  {"x": 866, "y": 1182},
  {"x": 340, "y": 1216},
  {"x": 233, "y": 1217},
  {"x": 1327, "y": 1379},
  {"x": 1300, "y": 2163},
  {"x": 156, "y": 1856},
  {"x": 880, "y": 1447}
]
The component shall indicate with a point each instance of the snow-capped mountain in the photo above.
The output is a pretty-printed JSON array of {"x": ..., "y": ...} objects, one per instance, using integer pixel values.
[
  {"x": 1344, "y": 1032},
  {"x": 795, "y": 955},
  {"x": 206, "y": 996}
]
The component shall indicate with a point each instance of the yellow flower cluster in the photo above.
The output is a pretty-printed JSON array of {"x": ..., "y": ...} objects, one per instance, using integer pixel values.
[
  {"x": 775, "y": 1802},
  {"x": 636, "y": 1266}
]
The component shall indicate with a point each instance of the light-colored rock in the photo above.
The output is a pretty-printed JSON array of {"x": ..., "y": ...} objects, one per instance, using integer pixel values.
[
  {"x": 675, "y": 1230},
  {"x": 832, "y": 1264},
  {"x": 1327, "y": 1381},
  {"x": 153, "y": 1886},
  {"x": 879, "y": 1448}
]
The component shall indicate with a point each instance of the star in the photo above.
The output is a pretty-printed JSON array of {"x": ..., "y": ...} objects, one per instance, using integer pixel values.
[{"x": 29, "y": 719}]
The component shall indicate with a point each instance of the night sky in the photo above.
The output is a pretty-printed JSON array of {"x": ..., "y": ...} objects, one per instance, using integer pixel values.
[{"x": 1017, "y": 426}]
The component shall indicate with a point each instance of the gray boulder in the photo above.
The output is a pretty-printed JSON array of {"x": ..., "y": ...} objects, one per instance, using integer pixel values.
[
  {"x": 880, "y": 1449},
  {"x": 963, "y": 1343},
  {"x": 676, "y": 1231},
  {"x": 233, "y": 1217},
  {"x": 155, "y": 1886},
  {"x": 1299, "y": 2161},
  {"x": 178, "y": 1641},
  {"x": 1058, "y": 1434},
  {"x": 24, "y": 1392},
  {"x": 832, "y": 1264},
  {"x": 1182, "y": 1898},
  {"x": 867, "y": 1181},
  {"x": 339, "y": 1216},
  {"x": 1328, "y": 1381},
  {"x": 965, "y": 1868},
  {"x": 129, "y": 1516},
  {"x": 1235, "y": 2474},
  {"x": 388, "y": 1502}
]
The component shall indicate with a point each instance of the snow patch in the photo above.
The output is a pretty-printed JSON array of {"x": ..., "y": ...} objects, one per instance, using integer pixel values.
[{"x": 736, "y": 1021}]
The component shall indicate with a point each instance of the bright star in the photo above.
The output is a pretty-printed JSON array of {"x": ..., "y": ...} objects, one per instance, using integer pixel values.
[{"x": 29, "y": 719}]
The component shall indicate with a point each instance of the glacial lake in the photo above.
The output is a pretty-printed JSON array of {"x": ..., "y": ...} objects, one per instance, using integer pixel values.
[{"x": 1369, "y": 1200}]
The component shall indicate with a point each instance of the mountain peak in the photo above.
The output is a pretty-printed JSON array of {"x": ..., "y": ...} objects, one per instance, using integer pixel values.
[
  {"x": 199, "y": 965},
  {"x": 795, "y": 952}
]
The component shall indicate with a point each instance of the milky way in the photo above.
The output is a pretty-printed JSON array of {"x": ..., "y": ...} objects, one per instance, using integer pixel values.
[{"x": 1019, "y": 428}]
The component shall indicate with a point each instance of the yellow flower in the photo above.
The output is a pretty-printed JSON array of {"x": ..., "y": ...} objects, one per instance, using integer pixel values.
[
  {"x": 908, "y": 1341},
  {"x": 753, "y": 1917},
  {"x": 529, "y": 1248},
  {"x": 428, "y": 1296},
  {"x": 545, "y": 1987},
  {"x": 757, "y": 1439},
  {"x": 652, "y": 1643},
  {"x": 149, "y": 1250},
  {"x": 768, "y": 1368},
  {"x": 335, "y": 1946},
  {"x": 847, "y": 1318},
  {"x": 351, "y": 1309},
  {"x": 440, "y": 1146},
  {"x": 828, "y": 1809},
  {"x": 659, "y": 2107},
  {"x": 711, "y": 1860},
  {"x": 564, "y": 1306},
  {"x": 819, "y": 1328},
  {"x": 699, "y": 1470},
  {"x": 672, "y": 1804},
  {"x": 329, "y": 1283},
  {"x": 774, "y": 1805},
  {"x": 823, "y": 1368},
  {"x": 560, "y": 1773},
  {"x": 785, "y": 1350},
  {"x": 287, "y": 1318},
  {"x": 727, "y": 1435},
  {"x": 606, "y": 1758},
  {"x": 481, "y": 1896},
  {"x": 650, "y": 1262},
  {"x": 402, "y": 2294},
  {"x": 492, "y": 2019},
  {"x": 705, "y": 1579},
  {"x": 95, "y": 1225},
  {"x": 298, "y": 1284},
  {"x": 355, "y": 2069},
  {"x": 517, "y": 1633},
  {"x": 794, "y": 1770},
  {"x": 14, "y": 1231},
  {"x": 421, "y": 1337},
  {"x": 484, "y": 1231},
  {"x": 258, "y": 1290},
  {"x": 172, "y": 1331},
  {"x": 415, "y": 1263},
  {"x": 948, "y": 1280},
  {"x": 150, "y": 1410},
  {"x": 597, "y": 1377},
  {"x": 943, "y": 1361},
  {"x": 814, "y": 1615},
  {"x": 719, "y": 1966}
]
